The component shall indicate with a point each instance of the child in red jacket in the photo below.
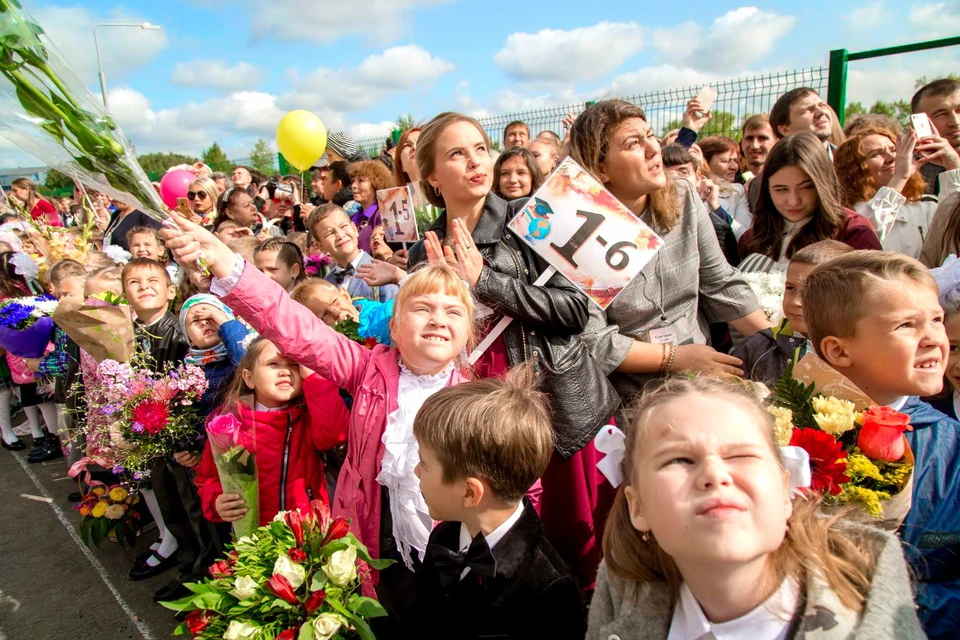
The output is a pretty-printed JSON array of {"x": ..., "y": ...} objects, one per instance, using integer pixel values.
[{"x": 267, "y": 396}]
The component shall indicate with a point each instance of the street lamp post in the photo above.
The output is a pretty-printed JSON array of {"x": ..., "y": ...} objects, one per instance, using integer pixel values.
[{"x": 146, "y": 26}]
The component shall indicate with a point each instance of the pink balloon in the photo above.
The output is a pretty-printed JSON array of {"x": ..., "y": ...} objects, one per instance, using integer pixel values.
[{"x": 175, "y": 184}]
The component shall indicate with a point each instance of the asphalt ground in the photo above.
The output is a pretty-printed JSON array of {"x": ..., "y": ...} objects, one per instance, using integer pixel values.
[{"x": 52, "y": 586}]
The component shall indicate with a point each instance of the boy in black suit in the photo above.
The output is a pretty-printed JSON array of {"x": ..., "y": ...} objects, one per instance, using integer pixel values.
[{"x": 488, "y": 571}]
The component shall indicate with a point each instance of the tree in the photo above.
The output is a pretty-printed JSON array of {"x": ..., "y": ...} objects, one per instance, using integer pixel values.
[
  {"x": 922, "y": 80},
  {"x": 405, "y": 122},
  {"x": 723, "y": 123},
  {"x": 263, "y": 158},
  {"x": 56, "y": 181},
  {"x": 899, "y": 110},
  {"x": 216, "y": 159},
  {"x": 158, "y": 163}
]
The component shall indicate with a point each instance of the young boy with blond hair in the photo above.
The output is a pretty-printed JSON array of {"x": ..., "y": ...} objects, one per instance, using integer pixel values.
[
  {"x": 767, "y": 353},
  {"x": 488, "y": 570},
  {"x": 875, "y": 317}
]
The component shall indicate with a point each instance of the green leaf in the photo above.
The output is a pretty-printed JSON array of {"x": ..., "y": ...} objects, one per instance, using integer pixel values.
[
  {"x": 317, "y": 581},
  {"x": 363, "y": 629},
  {"x": 181, "y": 629},
  {"x": 306, "y": 631},
  {"x": 366, "y": 607},
  {"x": 183, "y": 604}
]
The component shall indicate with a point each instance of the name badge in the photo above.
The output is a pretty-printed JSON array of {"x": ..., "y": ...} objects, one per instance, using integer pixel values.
[{"x": 664, "y": 335}]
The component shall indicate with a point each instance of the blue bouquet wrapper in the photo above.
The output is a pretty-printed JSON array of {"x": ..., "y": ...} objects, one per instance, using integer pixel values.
[{"x": 30, "y": 342}]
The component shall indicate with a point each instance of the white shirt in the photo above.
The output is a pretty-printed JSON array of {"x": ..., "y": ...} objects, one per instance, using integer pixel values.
[
  {"x": 790, "y": 231},
  {"x": 401, "y": 455},
  {"x": 897, "y": 404},
  {"x": 769, "y": 621},
  {"x": 494, "y": 536}
]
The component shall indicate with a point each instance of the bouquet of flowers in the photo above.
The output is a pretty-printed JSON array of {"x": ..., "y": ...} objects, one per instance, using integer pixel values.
[
  {"x": 768, "y": 287},
  {"x": 293, "y": 579},
  {"x": 106, "y": 511},
  {"x": 26, "y": 325},
  {"x": 232, "y": 450},
  {"x": 858, "y": 454},
  {"x": 317, "y": 265},
  {"x": 135, "y": 415}
]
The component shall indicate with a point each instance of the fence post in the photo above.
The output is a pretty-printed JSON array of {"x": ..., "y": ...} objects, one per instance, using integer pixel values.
[{"x": 837, "y": 83}]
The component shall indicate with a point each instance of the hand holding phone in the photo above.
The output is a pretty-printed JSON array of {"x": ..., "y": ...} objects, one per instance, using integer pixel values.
[
  {"x": 706, "y": 97},
  {"x": 921, "y": 124}
]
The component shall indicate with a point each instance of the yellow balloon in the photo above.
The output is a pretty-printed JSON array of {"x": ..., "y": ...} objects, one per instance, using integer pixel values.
[{"x": 301, "y": 138}]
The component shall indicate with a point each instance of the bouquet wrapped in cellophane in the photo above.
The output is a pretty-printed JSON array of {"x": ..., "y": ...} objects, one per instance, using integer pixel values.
[
  {"x": 49, "y": 113},
  {"x": 858, "y": 454},
  {"x": 233, "y": 450},
  {"x": 26, "y": 326},
  {"x": 296, "y": 578},
  {"x": 136, "y": 415}
]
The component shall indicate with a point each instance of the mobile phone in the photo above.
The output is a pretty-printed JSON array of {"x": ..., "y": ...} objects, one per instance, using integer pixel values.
[
  {"x": 183, "y": 207},
  {"x": 706, "y": 97},
  {"x": 921, "y": 124}
]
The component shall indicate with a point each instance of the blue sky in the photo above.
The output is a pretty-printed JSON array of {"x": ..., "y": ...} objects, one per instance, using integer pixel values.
[{"x": 227, "y": 70}]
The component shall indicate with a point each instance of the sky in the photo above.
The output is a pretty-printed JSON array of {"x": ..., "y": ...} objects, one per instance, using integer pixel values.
[{"x": 227, "y": 70}]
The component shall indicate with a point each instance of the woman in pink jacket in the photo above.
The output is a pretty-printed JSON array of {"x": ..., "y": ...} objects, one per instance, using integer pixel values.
[{"x": 432, "y": 324}]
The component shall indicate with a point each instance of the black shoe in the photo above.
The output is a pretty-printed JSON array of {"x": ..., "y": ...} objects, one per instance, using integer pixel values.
[
  {"x": 144, "y": 571},
  {"x": 143, "y": 557},
  {"x": 39, "y": 442},
  {"x": 16, "y": 445},
  {"x": 76, "y": 496},
  {"x": 50, "y": 450},
  {"x": 173, "y": 591}
]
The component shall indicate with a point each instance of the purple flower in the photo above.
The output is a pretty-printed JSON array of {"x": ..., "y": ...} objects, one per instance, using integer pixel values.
[
  {"x": 138, "y": 475},
  {"x": 137, "y": 427},
  {"x": 117, "y": 469}
]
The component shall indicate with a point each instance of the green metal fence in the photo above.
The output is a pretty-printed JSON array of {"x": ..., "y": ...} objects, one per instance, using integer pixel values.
[
  {"x": 837, "y": 91},
  {"x": 737, "y": 100}
]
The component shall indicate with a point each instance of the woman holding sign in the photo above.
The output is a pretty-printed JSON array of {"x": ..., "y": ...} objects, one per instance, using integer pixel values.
[
  {"x": 457, "y": 175},
  {"x": 659, "y": 322}
]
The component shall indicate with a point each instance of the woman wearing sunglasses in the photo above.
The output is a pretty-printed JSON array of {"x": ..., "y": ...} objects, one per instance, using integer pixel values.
[{"x": 202, "y": 195}]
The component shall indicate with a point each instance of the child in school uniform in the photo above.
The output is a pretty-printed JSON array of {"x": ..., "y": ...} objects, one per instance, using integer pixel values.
[
  {"x": 767, "y": 353},
  {"x": 875, "y": 317},
  {"x": 338, "y": 236},
  {"x": 704, "y": 540},
  {"x": 488, "y": 570}
]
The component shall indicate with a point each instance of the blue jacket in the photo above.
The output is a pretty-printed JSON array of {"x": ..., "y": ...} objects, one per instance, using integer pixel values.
[
  {"x": 219, "y": 374},
  {"x": 931, "y": 531}
]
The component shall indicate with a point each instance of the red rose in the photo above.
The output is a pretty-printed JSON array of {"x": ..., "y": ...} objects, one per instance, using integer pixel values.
[
  {"x": 315, "y": 601},
  {"x": 151, "y": 415},
  {"x": 281, "y": 587},
  {"x": 338, "y": 529},
  {"x": 294, "y": 520},
  {"x": 198, "y": 620},
  {"x": 827, "y": 464},
  {"x": 289, "y": 634},
  {"x": 221, "y": 569},
  {"x": 297, "y": 555},
  {"x": 881, "y": 436}
]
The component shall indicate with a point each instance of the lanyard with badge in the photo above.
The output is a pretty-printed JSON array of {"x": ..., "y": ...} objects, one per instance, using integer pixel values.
[{"x": 661, "y": 335}]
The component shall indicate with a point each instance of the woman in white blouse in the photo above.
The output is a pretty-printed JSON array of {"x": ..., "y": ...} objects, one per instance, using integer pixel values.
[{"x": 880, "y": 180}]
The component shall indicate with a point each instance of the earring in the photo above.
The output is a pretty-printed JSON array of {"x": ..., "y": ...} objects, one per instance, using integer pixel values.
[
  {"x": 645, "y": 536},
  {"x": 436, "y": 190}
]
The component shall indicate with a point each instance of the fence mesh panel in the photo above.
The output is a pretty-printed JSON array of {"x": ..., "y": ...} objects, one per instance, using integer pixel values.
[{"x": 737, "y": 100}]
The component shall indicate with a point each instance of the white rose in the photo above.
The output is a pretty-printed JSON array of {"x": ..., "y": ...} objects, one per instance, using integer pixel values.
[
  {"x": 293, "y": 572},
  {"x": 244, "y": 587},
  {"x": 281, "y": 515},
  {"x": 341, "y": 568},
  {"x": 326, "y": 625},
  {"x": 241, "y": 631}
]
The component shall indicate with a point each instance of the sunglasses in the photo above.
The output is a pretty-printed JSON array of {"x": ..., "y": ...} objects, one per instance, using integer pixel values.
[
  {"x": 286, "y": 201},
  {"x": 193, "y": 195}
]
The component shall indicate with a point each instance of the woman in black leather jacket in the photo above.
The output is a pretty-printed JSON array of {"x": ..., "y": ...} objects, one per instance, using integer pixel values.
[{"x": 456, "y": 175}]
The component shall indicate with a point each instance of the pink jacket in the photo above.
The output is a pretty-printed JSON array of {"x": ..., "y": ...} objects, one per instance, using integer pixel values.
[{"x": 370, "y": 376}]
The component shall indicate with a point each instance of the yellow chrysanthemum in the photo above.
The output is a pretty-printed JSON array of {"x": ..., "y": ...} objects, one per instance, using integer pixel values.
[
  {"x": 833, "y": 415},
  {"x": 784, "y": 424},
  {"x": 99, "y": 510},
  {"x": 118, "y": 494},
  {"x": 870, "y": 500},
  {"x": 98, "y": 491},
  {"x": 860, "y": 467}
]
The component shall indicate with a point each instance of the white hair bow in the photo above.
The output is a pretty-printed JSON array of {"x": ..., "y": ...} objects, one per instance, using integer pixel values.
[{"x": 24, "y": 265}]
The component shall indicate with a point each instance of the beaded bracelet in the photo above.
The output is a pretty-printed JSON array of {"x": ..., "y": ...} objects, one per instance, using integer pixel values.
[{"x": 667, "y": 365}]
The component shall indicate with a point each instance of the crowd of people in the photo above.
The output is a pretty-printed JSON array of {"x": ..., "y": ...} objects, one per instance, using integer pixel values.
[{"x": 483, "y": 481}]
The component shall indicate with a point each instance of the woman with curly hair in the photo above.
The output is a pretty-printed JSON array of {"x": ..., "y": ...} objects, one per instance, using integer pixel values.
[
  {"x": 879, "y": 179},
  {"x": 368, "y": 176}
]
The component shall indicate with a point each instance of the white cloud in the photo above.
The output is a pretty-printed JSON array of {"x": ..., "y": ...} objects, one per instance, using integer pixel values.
[
  {"x": 377, "y": 77},
  {"x": 894, "y": 78},
  {"x": 584, "y": 53},
  {"x": 217, "y": 74},
  {"x": 936, "y": 19},
  {"x": 869, "y": 16},
  {"x": 736, "y": 39},
  {"x": 123, "y": 49},
  {"x": 380, "y": 21},
  {"x": 664, "y": 76},
  {"x": 365, "y": 130}
]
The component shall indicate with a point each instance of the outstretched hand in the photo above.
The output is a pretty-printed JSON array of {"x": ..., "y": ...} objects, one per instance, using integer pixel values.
[
  {"x": 379, "y": 273},
  {"x": 189, "y": 242}
]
